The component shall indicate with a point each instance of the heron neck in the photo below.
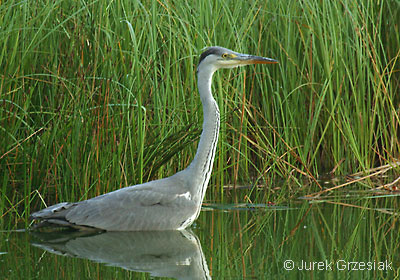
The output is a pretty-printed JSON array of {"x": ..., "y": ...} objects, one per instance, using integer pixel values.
[{"x": 201, "y": 166}]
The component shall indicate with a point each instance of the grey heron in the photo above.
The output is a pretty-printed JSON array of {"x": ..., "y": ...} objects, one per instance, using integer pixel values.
[{"x": 171, "y": 203}]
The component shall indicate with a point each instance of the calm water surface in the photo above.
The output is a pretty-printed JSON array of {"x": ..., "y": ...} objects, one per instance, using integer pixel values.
[{"x": 301, "y": 240}]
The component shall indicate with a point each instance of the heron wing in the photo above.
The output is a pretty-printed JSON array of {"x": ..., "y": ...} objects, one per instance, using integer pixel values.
[
  {"x": 130, "y": 209},
  {"x": 156, "y": 205}
]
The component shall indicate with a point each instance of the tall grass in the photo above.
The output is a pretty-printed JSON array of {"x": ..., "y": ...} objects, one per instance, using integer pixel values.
[{"x": 98, "y": 95}]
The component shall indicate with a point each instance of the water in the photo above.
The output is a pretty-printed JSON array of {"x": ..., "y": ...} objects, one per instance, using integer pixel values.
[{"x": 300, "y": 240}]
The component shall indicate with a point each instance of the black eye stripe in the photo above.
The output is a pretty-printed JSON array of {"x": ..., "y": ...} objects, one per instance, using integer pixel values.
[{"x": 214, "y": 50}]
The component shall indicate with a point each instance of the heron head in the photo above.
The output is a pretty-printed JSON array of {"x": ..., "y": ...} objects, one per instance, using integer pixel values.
[{"x": 218, "y": 57}]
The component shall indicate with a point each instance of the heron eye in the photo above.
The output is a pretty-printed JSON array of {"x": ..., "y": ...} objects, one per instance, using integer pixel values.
[{"x": 224, "y": 55}]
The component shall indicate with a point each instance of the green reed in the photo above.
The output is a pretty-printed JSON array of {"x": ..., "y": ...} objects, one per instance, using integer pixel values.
[{"x": 99, "y": 95}]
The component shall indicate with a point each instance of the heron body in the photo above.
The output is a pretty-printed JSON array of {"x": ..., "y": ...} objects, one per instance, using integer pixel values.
[{"x": 172, "y": 203}]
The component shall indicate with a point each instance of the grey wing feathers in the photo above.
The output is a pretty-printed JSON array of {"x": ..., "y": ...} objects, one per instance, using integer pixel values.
[
  {"x": 53, "y": 215},
  {"x": 55, "y": 211},
  {"x": 133, "y": 208},
  {"x": 130, "y": 210}
]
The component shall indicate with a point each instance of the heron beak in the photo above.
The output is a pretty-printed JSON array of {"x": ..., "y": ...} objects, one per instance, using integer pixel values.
[{"x": 252, "y": 59}]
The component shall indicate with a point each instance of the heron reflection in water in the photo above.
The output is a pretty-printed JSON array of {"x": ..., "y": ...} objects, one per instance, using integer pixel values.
[
  {"x": 174, "y": 254},
  {"x": 171, "y": 203}
]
